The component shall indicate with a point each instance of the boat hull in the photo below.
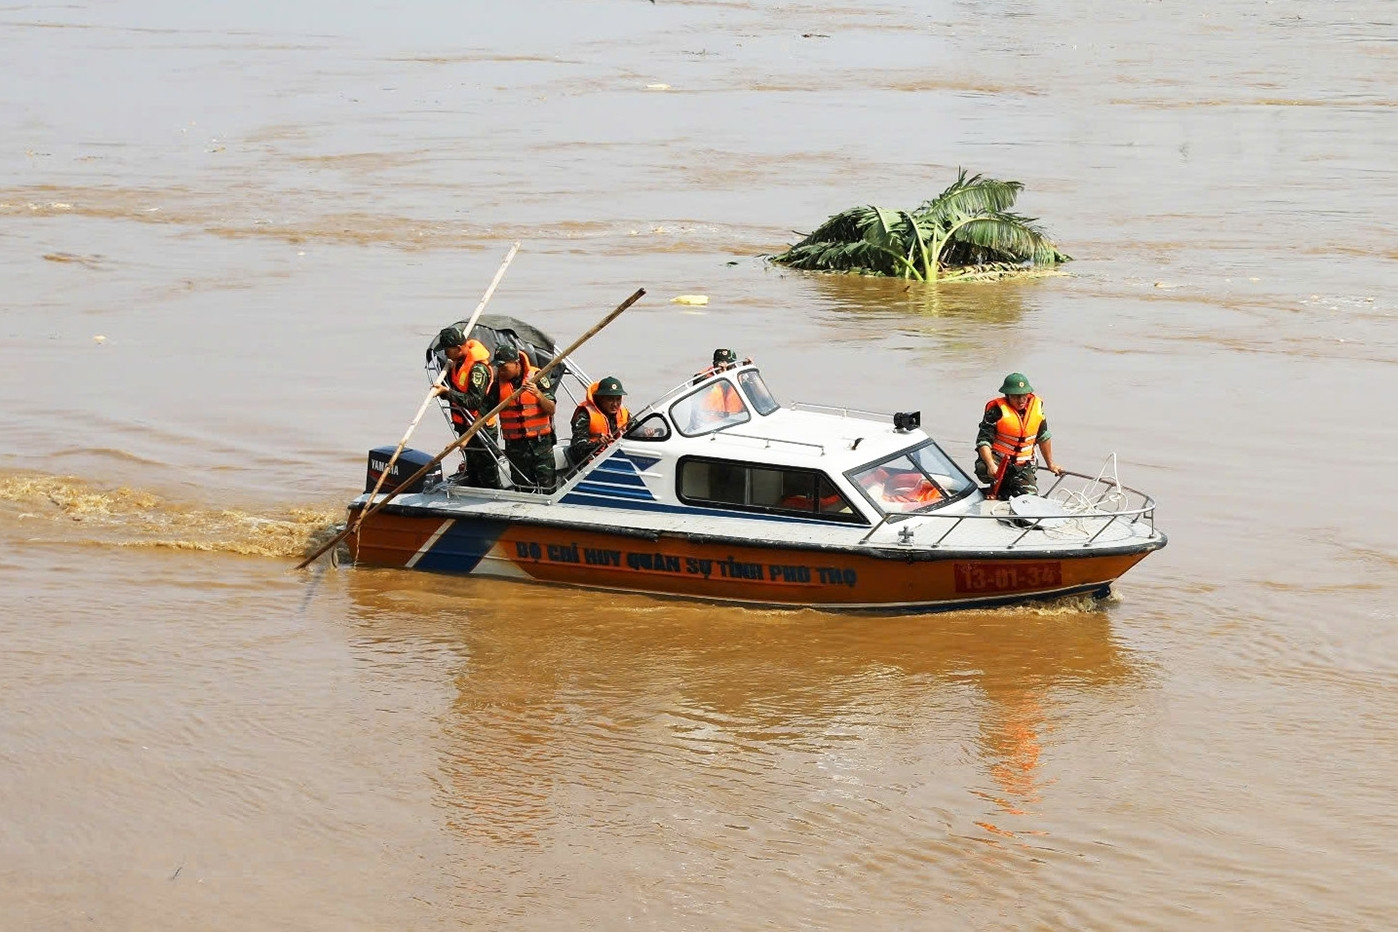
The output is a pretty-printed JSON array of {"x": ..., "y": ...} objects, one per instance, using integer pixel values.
[{"x": 678, "y": 564}]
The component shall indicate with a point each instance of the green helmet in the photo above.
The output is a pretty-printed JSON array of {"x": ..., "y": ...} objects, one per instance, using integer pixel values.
[
  {"x": 609, "y": 386},
  {"x": 505, "y": 351},
  {"x": 1016, "y": 384},
  {"x": 450, "y": 336}
]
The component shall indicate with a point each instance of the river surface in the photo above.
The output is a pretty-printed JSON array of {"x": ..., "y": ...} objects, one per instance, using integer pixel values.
[{"x": 226, "y": 235}]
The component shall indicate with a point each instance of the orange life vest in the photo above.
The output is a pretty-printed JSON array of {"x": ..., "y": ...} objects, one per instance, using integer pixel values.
[
  {"x": 903, "y": 486},
  {"x": 460, "y": 378},
  {"x": 476, "y": 352},
  {"x": 598, "y": 425},
  {"x": 524, "y": 418},
  {"x": 831, "y": 502},
  {"x": 723, "y": 398},
  {"x": 1016, "y": 436}
]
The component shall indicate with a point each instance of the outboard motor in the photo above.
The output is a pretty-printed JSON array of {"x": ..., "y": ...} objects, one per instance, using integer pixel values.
[{"x": 408, "y": 463}]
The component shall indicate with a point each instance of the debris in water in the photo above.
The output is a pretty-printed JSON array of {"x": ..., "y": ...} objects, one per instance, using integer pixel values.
[
  {"x": 657, "y": 87},
  {"x": 693, "y": 299},
  {"x": 91, "y": 262},
  {"x": 932, "y": 241},
  {"x": 99, "y": 338}
]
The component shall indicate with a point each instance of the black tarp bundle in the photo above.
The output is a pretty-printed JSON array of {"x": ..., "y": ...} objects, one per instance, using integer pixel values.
[{"x": 492, "y": 329}]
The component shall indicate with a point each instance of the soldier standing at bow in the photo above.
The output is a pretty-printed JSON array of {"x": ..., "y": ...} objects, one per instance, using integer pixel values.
[{"x": 1011, "y": 430}]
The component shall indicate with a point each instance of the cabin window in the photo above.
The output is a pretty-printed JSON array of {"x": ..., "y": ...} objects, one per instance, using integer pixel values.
[
  {"x": 932, "y": 460},
  {"x": 756, "y": 390},
  {"x": 714, "y": 482},
  {"x": 771, "y": 489},
  {"x": 715, "y": 406},
  {"x": 913, "y": 480},
  {"x": 653, "y": 428}
]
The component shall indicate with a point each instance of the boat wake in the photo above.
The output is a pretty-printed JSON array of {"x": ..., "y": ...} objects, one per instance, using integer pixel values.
[
  {"x": 1080, "y": 603},
  {"x": 69, "y": 510}
]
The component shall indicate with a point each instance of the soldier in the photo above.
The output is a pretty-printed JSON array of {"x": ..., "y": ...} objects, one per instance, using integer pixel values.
[
  {"x": 527, "y": 423},
  {"x": 1013, "y": 427},
  {"x": 723, "y": 359},
  {"x": 468, "y": 376},
  {"x": 599, "y": 420}
]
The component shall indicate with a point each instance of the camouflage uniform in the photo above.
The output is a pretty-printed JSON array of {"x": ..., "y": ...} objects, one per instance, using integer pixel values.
[
  {"x": 1020, "y": 478},
  {"x": 583, "y": 445},
  {"x": 531, "y": 459},
  {"x": 481, "y": 468}
]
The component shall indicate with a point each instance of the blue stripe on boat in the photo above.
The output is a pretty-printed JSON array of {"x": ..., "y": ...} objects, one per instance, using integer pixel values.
[
  {"x": 462, "y": 546},
  {"x": 641, "y": 463},
  {"x": 615, "y": 491},
  {"x": 619, "y": 476},
  {"x": 616, "y": 476}
]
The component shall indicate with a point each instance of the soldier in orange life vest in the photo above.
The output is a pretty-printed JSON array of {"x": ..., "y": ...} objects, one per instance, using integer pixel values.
[
  {"x": 1013, "y": 427},
  {"x": 720, "y": 402},
  {"x": 527, "y": 424},
  {"x": 599, "y": 420},
  {"x": 468, "y": 376}
]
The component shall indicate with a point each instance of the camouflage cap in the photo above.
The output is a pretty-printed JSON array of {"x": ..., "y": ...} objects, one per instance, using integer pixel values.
[
  {"x": 451, "y": 336},
  {"x": 505, "y": 351},
  {"x": 1016, "y": 383},
  {"x": 724, "y": 357},
  {"x": 611, "y": 385}
]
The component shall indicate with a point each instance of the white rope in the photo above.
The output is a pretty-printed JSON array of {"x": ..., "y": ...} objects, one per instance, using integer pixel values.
[
  {"x": 1111, "y": 500},
  {"x": 1087, "y": 504}
]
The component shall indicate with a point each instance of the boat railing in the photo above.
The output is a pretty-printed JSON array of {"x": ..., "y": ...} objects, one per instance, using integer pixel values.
[
  {"x": 842, "y": 411},
  {"x": 1100, "y": 499},
  {"x": 768, "y": 441}
]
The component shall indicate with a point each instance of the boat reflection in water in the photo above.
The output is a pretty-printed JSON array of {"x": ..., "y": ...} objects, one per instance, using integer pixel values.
[{"x": 563, "y": 712}]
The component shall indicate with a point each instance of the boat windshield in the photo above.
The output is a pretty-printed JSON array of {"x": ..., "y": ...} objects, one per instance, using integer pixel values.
[
  {"x": 913, "y": 480},
  {"x": 718, "y": 404},
  {"x": 758, "y": 393}
]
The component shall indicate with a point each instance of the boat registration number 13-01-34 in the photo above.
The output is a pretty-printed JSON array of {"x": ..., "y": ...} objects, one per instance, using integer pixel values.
[{"x": 1008, "y": 577}]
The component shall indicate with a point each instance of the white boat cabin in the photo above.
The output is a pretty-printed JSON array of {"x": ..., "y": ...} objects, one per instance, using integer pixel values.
[{"x": 724, "y": 444}]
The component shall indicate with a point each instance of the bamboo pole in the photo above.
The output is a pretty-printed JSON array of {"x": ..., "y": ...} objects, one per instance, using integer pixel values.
[{"x": 441, "y": 378}]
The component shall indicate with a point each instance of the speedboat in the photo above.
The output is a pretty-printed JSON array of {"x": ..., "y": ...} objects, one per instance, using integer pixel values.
[{"x": 719, "y": 492}]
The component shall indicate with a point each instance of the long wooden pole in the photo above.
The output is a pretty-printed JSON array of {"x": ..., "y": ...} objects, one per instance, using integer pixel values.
[
  {"x": 472, "y": 430},
  {"x": 485, "y": 298},
  {"x": 441, "y": 377}
]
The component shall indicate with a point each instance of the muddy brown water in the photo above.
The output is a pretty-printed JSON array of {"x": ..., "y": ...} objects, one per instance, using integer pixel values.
[{"x": 266, "y": 212}]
